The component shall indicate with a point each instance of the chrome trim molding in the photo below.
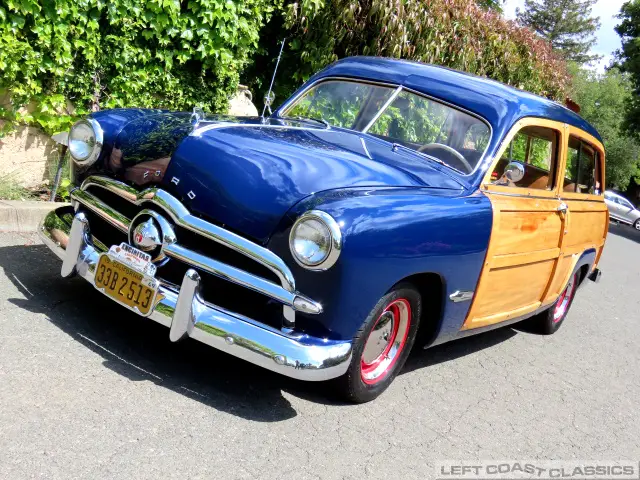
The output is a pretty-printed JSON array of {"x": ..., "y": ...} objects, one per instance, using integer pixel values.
[
  {"x": 214, "y": 126},
  {"x": 336, "y": 239},
  {"x": 187, "y": 315},
  {"x": 461, "y": 296},
  {"x": 284, "y": 293},
  {"x": 100, "y": 208}
]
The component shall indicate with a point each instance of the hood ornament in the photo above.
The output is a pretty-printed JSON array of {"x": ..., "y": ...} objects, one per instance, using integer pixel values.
[{"x": 197, "y": 116}]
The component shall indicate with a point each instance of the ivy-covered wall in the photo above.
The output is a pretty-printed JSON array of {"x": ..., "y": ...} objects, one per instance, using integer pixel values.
[{"x": 62, "y": 58}]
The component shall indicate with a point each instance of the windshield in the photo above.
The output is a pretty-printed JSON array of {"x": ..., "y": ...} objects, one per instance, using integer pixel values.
[{"x": 440, "y": 131}]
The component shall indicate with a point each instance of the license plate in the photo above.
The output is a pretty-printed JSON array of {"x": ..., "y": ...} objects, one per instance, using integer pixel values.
[{"x": 127, "y": 286}]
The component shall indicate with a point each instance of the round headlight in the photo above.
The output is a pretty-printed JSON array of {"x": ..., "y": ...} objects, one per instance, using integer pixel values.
[
  {"x": 85, "y": 141},
  {"x": 315, "y": 240}
]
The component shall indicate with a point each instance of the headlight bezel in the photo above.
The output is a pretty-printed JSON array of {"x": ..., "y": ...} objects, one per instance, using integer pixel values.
[
  {"x": 93, "y": 155},
  {"x": 335, "y": 236}
]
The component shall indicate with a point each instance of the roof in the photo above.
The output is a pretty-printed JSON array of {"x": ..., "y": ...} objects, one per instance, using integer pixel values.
[{"x": 500, "y": 104}]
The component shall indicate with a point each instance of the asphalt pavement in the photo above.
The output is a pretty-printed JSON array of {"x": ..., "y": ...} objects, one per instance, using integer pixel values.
[{"x": 89, "y": 390}]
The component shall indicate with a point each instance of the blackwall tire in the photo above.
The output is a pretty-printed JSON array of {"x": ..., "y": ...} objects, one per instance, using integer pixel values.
[
  {"x": 381, "y": 346},
  {"x": 550, "y": 321}
]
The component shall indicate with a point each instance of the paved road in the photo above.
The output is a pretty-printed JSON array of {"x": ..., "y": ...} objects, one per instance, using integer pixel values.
[{"x": 88, "y": 390}]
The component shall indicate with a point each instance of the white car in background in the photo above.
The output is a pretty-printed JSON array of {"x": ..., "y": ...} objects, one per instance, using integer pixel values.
[{"x": 622, "y": 210}]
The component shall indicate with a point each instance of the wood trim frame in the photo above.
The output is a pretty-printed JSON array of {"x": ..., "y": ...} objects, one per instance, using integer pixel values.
[
  {"x": 576, "y": 132},
  {"x": 561, "y": 128}
]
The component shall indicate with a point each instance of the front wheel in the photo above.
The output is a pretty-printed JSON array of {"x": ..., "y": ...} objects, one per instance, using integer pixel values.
[
  {"x": 382, "y": 345},
  {"x": 637, "y": 224},
  {"x": 549, "y": 321}
]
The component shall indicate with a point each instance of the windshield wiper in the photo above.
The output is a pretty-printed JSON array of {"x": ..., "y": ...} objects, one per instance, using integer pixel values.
[
  {"x": 395, "y": 146},
  {"x": 319, "y": 120}
]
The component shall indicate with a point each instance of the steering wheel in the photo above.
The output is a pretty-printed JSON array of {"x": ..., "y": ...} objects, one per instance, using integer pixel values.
[{"x": 439, "y": 146}]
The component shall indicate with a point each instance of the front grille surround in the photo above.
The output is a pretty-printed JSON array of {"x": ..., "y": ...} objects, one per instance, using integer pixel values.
[{"x": 244, "y": 267}]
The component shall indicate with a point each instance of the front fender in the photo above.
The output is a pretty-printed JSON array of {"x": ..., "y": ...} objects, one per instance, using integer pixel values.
[{"x": 390, "y": 234}]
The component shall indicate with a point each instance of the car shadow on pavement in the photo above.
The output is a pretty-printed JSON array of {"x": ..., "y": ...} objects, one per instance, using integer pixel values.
[
  {"x": 461, "y": 347},
  {"x": 625, "y": 231},
  {"x": 140, "y": 349}
]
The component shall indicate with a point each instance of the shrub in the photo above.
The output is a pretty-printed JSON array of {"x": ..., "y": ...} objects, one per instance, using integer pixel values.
[
  {"x": 452, "y": 33},
  {"x": 98, "y": 54}
]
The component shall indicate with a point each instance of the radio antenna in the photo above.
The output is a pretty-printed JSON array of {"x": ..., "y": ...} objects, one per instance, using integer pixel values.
[{"x": 269, "y": 97}]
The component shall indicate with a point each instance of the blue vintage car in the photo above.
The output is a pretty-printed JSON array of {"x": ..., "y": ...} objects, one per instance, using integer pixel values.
[{"x": 385, "y": 201}]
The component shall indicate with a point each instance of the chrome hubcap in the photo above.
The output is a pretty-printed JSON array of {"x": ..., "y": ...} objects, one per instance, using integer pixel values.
[
  {"x": 565, "y": 299},
  {"x": 637, "y": 225},
  {"x": 379, "y": 338},
  {"x": 386, "y": 341}
]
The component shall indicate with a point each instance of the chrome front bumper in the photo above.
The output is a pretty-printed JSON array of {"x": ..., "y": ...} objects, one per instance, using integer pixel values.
[{"x": 187, "y": 315}]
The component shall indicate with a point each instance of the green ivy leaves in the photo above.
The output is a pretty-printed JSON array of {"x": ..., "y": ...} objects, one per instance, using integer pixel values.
[{"x": 98, "y": 54}]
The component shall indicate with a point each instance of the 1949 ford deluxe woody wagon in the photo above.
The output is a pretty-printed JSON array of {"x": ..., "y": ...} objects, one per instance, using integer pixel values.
[{"x": 383, "y": 196}]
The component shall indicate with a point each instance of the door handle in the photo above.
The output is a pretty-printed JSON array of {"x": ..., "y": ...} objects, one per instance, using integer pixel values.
[{"x": 563, "y": 210}]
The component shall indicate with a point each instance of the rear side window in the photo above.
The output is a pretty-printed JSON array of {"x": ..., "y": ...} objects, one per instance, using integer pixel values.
[{"x": 583, "y": 168}]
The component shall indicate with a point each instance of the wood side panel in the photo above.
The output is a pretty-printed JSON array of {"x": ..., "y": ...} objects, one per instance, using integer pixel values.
[
  {"x": 561, "y": 277},
  {"x": 528, "y": 231},
  {"x": 515, "y": 286},
  {"x": 500, "y": 261},
  {"x": 522, "y": 253},
  {"x": 585, "y": 228}
]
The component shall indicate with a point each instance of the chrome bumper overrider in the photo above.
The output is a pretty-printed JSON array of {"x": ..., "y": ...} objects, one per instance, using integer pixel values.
[{"x": 187, "y": 315}]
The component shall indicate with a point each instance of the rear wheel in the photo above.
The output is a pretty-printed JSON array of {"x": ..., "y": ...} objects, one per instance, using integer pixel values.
[
  {"x": 637, "y": 224},
  {"x": 382, "y": 345},
  {"x": 549, "y": 321}
]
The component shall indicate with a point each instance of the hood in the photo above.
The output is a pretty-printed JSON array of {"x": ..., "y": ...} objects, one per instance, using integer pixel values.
[
  {"x": 138, "y": 143},
  {"x": 247, "y": 176}
]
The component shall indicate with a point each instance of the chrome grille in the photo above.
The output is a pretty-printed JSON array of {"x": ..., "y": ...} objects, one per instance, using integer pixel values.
[{"x": 113, "y": 204}]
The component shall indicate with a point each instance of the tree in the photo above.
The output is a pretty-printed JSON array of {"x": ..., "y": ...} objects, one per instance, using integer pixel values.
[
  {"x": 629, "y": 61},
  {"x": 453, "y": 33},
  {"x": 567, "y": 24},
  {"x": 602, "y": 99},
  {"x": 495, "y": 5}
]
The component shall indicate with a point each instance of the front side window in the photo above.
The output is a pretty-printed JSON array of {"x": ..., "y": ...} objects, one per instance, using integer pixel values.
[
  {"x": 582, "y": 172},
  {"x": 439, "y": 131},
  {"x": 536, "y": 148}
]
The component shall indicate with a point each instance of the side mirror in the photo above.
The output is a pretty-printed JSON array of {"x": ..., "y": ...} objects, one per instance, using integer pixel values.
[{"x": 513, "y": 173}]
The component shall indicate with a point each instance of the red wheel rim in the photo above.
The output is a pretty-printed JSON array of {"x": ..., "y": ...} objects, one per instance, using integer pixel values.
[
  {"x": 385, "y": 341},
  {"x": 564, "y": 300}
]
